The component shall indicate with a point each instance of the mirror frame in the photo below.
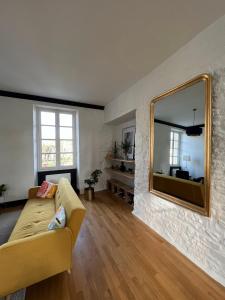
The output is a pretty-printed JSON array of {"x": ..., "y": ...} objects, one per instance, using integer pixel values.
[{"x": 207, "y": 143}]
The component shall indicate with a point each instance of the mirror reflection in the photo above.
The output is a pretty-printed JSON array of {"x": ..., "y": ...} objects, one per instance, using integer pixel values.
[{"x": 178, "y": 168}]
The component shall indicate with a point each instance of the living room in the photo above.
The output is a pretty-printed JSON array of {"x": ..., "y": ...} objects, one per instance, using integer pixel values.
[{"x": 112, "y": 150}]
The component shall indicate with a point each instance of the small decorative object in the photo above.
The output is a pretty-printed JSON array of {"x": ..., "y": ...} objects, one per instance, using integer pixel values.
[
  {"x": 186, "y": 158},
  {"x": 109, "y": 155},
  {"x": 134, "y": 152},
  {"x": 131, "y": 171},
  {"x": 91, "y": 181},
  {"x": 122, "y": 167},
  {"x": 126, "y": 147},
  {"x": 3, "y": 188},
  {"x": 128, "y": 142},
  {"x": 115, "y": 150}
]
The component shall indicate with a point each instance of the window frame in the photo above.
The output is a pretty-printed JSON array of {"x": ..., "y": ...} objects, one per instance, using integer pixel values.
[
  {"x": 178, "y": 152},
  {"x": 57, "y": 126}
]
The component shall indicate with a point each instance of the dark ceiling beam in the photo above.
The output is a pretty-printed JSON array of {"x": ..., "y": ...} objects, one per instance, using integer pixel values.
[
  {"x": 170, "y": 124},
  {"x": 49, "y": 100},
  {"x": 176, "y": 125}
]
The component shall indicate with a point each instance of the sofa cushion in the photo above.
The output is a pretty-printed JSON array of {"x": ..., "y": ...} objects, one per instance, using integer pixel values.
[
  {"x": 51, "y": 191},
  {"x": 59, "y": 195},
  {"x": 34, "y": 218},
  {"x": 59, "y": 219}
]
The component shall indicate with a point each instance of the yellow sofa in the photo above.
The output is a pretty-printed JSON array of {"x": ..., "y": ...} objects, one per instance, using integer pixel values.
[
  {"x": 190, "y": 191},
  {"x": 34, "y": 253}
]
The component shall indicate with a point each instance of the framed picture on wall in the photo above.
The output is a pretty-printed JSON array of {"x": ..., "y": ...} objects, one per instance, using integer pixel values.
[{"x": 129, "y": 138}]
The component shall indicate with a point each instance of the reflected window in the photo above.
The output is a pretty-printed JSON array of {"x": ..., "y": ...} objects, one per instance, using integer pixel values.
[{"x": 174, "y": 148}]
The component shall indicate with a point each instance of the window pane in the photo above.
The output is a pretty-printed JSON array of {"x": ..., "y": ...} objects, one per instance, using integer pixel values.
[
  {"x": 66, "y": 159},
  {"x": 171, "y": 135},
  {"x": 66, "y": 133},
  {"x": 66, "y": 120},
  {"x": 48, "y": 146},
  {"x": 175, "y": 162},
  {"x": 171, "y": 160},
  {"x": 66, "y": 146},
  {"x": 48, "y": 160},
  {"x": 176, "y": 144},
  {"x": 47, "y": 132},
  {"x": 176, "y": 136},
  {"x": 47, "y": 118},
  {"x": 175, "y": 152}
]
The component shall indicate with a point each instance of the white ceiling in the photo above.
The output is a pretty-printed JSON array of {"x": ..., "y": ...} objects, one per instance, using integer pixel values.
[
  {"x": 178, "y": 108},
  {"x": 92, "y": 50}
]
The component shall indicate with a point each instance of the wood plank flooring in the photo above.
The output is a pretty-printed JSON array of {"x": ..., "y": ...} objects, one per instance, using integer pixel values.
[{"x": 118, "y": 257}]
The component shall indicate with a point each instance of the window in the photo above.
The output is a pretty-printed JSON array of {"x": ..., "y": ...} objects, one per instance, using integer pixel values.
[
  {"x": 56, "y": 139},
  {"x": 174, "y": 148}
]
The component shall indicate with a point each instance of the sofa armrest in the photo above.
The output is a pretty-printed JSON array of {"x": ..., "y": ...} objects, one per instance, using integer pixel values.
[
  {"x": 32, "y": 192},
  {"x": 29, "y": 260}
]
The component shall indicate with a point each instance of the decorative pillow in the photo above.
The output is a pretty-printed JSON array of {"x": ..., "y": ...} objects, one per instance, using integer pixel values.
[
  {"x": 59, "y": 220},
  {"x": 42, "y": 189},
  {"x": 50, "y": 185},
  {"x": 47, "y": 190},
  {"x": 51, "y": 191}
]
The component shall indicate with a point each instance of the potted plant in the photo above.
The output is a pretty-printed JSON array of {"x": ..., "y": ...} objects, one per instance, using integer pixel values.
[
  {"x": 91, "y": 182},
  {"x": 3, "y": 188},
  {"x": 126, "y": 145},
  {"x": 115, "y": 150}
]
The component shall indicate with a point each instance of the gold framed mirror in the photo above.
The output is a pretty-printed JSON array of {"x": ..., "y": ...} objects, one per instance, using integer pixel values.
[{"x": 180, "y": 144}]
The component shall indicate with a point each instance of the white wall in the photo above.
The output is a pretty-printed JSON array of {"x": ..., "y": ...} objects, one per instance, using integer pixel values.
[
  {"x": 17, "y": 151},
  {"x": 16, "y": 148},
  {"x": 162, "y": 148},
  {"x": 193, "y": 146},
  {"x": 95, "y": 142},
  {"x": 199, "y": 238}
]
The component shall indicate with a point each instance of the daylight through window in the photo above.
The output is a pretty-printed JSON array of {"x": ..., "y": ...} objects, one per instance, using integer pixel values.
[
  {"x": 174, "y": 147},
  {"x": 56, "y": 139}
]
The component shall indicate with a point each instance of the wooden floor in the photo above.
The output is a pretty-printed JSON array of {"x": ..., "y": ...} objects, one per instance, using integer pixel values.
[{"x": 118, "y": 257}]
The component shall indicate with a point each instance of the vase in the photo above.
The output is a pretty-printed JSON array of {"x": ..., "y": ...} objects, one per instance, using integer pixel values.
[{"x": 89, "y": 193}]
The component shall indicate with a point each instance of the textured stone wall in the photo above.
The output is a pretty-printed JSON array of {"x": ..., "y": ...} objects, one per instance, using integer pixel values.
[{"x": 200, "y": 238}]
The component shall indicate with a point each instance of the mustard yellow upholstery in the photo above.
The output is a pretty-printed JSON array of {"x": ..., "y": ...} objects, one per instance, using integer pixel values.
[
  {"x": 33, "y": 253},
  {"x": 187, "y": 190},
  {"x": 34, "y": 218}
]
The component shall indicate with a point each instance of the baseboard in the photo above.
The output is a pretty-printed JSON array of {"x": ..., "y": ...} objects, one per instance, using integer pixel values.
[
  {"x": 96, "y": 191},
  {"x": 13, "y": 203}
]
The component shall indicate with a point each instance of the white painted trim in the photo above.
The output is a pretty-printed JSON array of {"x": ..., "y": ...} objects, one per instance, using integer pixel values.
[{"x": 57, "y": 111}]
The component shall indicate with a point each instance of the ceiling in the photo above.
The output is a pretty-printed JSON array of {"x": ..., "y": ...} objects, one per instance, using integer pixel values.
[
  {"x": 178, "y": 108},
  {"x": 92, "y": 50}
]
